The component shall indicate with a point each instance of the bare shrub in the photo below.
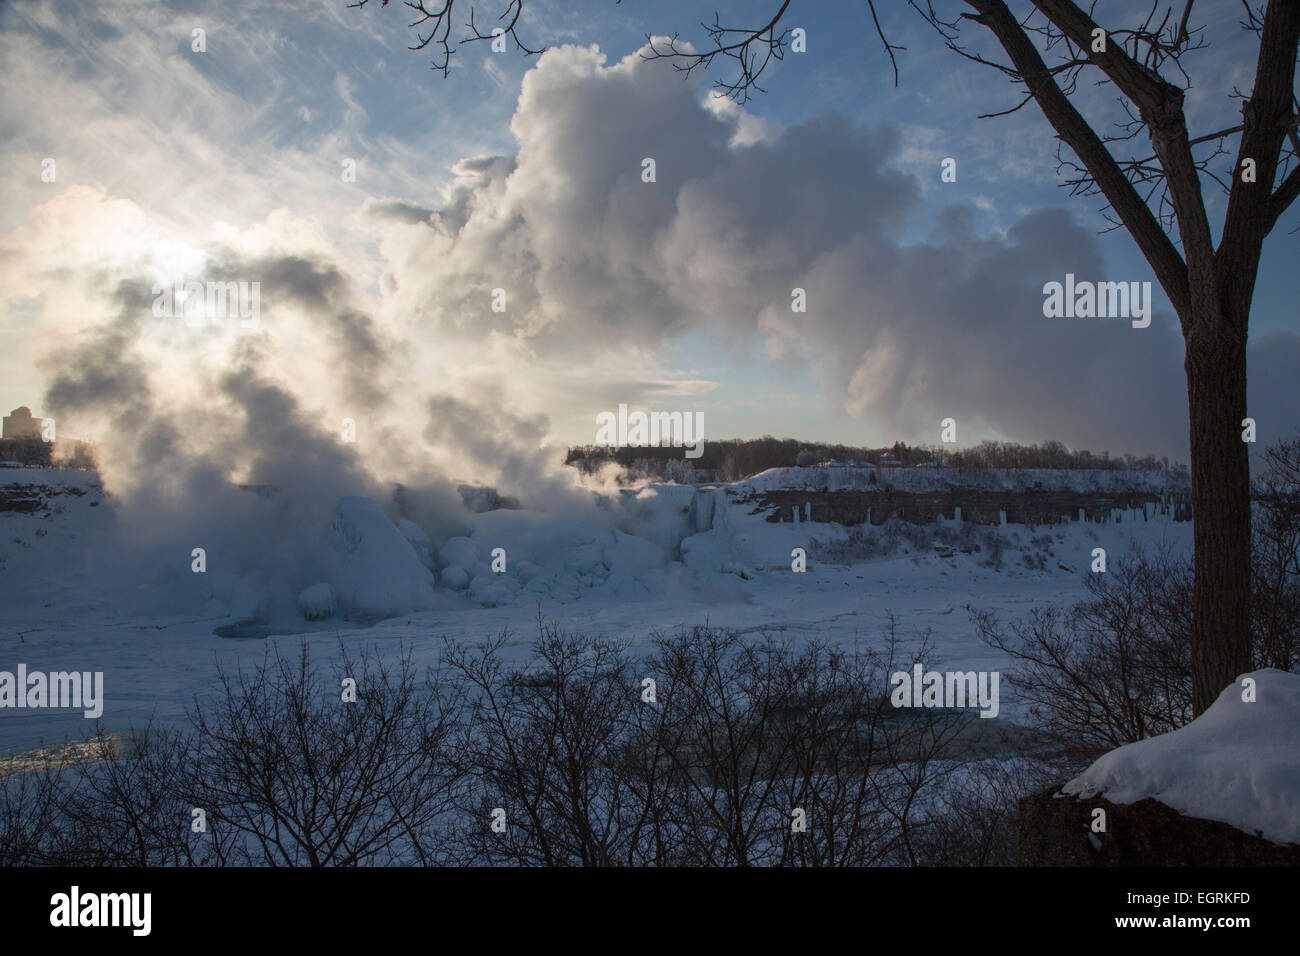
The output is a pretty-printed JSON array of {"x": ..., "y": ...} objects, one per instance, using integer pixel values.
[
  {"x": 1275, "y": 556},
  {"x": 302, "y": 778},
  {"x": 742, "y": 732},
  {"x": 970, "y": 818},
  {"x": 1109, "y": 670},
  {"x": 27, "y": 813},
  {"x": 541, "y": 741},
  {"x": 103, "y": 802}
]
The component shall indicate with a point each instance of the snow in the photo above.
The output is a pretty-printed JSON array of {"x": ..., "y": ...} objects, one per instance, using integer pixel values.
[
  {"x": 455, "y": 578},
  {"x": 372, "y": 567},
  {"x": 1236, "y": 763},
  {"x": 659, "y": 557},
  {"x": 419, "y": 541}
]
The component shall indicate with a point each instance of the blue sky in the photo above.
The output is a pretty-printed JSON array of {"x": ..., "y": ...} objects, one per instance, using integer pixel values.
[{"x": 924, "y": 295}]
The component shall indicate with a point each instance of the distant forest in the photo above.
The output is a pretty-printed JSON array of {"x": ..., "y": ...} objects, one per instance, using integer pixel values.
[{"x": 733, "y": 459}]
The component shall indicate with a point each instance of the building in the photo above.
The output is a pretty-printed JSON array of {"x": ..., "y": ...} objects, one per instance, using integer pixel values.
[{"x": 20, "y": 424}]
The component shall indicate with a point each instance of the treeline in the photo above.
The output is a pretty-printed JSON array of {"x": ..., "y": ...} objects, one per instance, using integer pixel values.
[
  {"x": 733, "y": 459},
  {"x": 1048, "y": 454}
]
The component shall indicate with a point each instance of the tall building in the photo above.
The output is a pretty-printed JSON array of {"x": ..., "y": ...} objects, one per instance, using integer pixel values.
[{"x": 20, "y": 424}]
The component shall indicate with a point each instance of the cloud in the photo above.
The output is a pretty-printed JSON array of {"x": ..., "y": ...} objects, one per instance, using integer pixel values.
[
  {"x": 378, "y": 309},
  {"x": 1273, "y": 366},
  {"x": 370, "y": 311},
  {"x": 397, "y": 210},
  {"x": 597, "y": 264}
]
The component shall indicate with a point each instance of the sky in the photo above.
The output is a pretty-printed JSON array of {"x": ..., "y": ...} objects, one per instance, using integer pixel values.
[{"x": 516, "y": 181}]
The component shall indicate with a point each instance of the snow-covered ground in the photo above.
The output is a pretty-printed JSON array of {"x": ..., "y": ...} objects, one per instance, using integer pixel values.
[{"x": 76, "y": 595}]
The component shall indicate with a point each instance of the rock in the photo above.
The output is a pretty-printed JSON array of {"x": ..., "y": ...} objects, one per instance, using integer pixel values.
[
  {"x": 1222, "y": 790},
  {"x": 1056, "y": 830}
]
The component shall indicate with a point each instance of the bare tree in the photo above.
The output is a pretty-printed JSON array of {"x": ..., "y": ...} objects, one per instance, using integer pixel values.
[
  {"x": 435, "y": 28},
  {"x": 1157, "y": 198}
]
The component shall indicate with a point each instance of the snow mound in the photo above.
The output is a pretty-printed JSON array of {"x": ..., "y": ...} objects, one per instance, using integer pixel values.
[
  {"x": 1238, "y": 763},
  {"x": 318, "y": 602},
  {"x": 373, "y": 566}
]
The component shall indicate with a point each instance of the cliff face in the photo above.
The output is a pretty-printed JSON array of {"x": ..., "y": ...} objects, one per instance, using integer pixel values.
[{"x": 978, "y": 507}]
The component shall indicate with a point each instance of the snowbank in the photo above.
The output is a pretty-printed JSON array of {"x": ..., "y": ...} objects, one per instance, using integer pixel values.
[{"x": 1238, "y": 763}]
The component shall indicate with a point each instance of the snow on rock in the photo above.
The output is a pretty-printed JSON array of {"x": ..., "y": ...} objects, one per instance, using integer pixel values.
[
  {"x": 318, "y": 601},
  {"x": 1238, "y": 763},
  {"x": 373, "y": 567}
]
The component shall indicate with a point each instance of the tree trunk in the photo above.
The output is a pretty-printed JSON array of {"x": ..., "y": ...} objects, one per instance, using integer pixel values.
[{"x": 1216, "y": 395}]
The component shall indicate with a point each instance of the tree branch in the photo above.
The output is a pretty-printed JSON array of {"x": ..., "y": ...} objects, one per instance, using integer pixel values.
[
  {"x": 1071, "y": 127},
  {"x": 1160, "y": 106},
  {"x": 1286, "y": 194},
  {"x": 1252, "y": 212}
]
